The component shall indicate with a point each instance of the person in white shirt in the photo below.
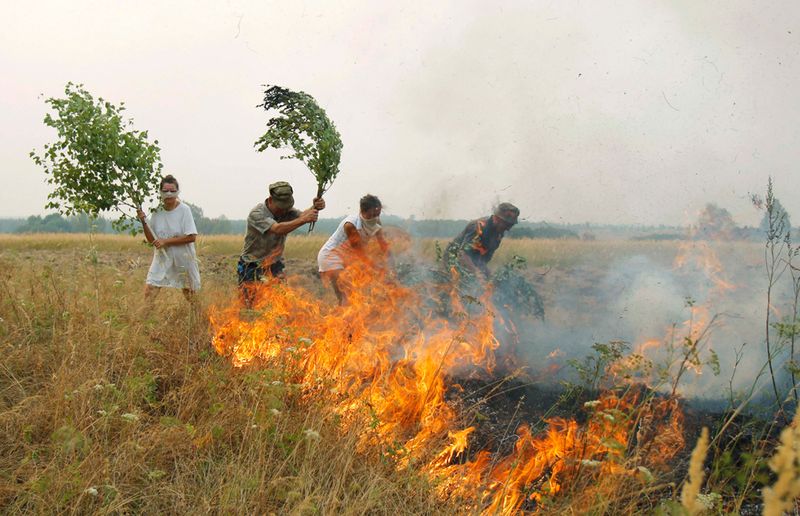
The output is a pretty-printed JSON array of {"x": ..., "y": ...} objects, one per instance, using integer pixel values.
[
  {"x": 349, "y": 241},
  {"x": 172, "y": 232}
]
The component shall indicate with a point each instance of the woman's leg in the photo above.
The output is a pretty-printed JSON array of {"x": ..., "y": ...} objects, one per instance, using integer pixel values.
[
  {"x": 333, "y": 278},
  {"x": 192, "y": 297},
  {"x": 194, "y": 307},
  {"x": 150, "y": 292}
]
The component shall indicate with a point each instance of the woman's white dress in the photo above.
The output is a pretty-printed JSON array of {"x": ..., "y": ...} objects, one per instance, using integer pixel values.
[{"x": 175, "y": 265}]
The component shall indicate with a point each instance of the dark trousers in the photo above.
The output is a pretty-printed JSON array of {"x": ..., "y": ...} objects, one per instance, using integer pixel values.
[{"x": 250, "y": 275}]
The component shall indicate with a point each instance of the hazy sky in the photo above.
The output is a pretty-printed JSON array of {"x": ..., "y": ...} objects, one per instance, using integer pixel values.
[{"x": 621, "y": 112}]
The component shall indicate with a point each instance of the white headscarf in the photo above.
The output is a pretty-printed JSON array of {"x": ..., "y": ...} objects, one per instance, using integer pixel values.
[
  {"x": 169, "y": 195},
  {"x": 370, "y": 226}
]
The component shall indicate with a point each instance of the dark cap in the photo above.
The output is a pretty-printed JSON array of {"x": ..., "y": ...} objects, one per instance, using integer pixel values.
[
  {"x": 507, "y": 212},
  {"x": 281, "y": 194}
]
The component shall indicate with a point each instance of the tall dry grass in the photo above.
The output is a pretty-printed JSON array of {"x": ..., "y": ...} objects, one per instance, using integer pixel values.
[
  {"x": 300, "y": 247},
  {"x": 782, "y": 496},
  {"x": 691, "y": 489},
  {"x": 539, "y": 252},
  {"x": 110, "y": 405}
]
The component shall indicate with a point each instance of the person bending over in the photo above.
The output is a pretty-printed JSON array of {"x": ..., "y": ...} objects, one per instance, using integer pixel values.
[
  {"x": 267, "y": 226},
  {"x": 476, "y": 244},
  {"x": 349, "y": 243}
]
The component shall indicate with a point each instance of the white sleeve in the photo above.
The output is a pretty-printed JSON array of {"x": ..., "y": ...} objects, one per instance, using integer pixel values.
[
  {"x": 188, "y": 226},
  {"x": 154, "y": 221}
]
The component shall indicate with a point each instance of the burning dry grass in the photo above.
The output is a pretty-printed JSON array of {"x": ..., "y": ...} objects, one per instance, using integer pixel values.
[
  {"x": 388, "y": 354},
  {"x": 108, "y": 405}
]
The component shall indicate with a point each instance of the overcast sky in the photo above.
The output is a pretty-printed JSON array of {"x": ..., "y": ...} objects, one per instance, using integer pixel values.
[{"x": 613, "y": 112}]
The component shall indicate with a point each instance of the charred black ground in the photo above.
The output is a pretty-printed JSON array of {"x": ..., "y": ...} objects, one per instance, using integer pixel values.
[{"x": 497, "y": 407}]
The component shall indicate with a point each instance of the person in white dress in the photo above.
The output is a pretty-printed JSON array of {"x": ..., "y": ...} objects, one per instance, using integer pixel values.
[
  {"x": 348, "y": 243},
  {"x": 172, "y": 233}
]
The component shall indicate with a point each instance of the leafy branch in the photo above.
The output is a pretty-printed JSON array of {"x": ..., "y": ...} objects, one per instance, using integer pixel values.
[
  {"x": 303, "y": 126},
  {"x": 98, "y": 162}
]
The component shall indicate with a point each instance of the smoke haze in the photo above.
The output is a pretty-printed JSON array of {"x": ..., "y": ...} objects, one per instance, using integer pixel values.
[{"x": 574, "y": 111}]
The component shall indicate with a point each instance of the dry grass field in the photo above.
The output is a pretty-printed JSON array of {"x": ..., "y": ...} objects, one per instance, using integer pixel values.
[
  {"x": 538, "y": 252},
  {"x": 111, "y": 405}
]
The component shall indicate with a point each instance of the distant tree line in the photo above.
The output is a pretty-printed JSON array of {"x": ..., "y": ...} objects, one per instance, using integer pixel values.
[
  {"x": 542, "y": 232},
  {"x": 83, "y": 223},
  {"x": 55, "y": 223},
  {"x": 218, "y": 226},
  {"x": 714, "y": 223}
]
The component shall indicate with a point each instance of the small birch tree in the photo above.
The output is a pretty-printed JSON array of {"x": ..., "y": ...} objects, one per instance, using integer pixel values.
[{"x": 99, "y": 162}]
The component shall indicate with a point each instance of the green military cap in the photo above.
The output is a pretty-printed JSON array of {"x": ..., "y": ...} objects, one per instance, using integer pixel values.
[
  {"x": 507, "y": 212},
  {"x": 281, "y": 194}
]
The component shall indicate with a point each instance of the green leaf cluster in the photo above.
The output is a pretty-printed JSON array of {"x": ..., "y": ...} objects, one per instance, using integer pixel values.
[
  {"x": 98, "y": 162},
  {"x": 514, "y": 290},
  {"x": 304, "y": 127},
  {"x": 593, "y": 371}
]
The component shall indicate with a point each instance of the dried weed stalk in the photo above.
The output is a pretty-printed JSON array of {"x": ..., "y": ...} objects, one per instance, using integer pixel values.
[
  {"x": 692, "y": 488},
  {"x": 781, "y": 496}
]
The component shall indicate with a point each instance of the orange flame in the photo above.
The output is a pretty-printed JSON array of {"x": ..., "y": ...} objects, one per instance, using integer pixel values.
[
  {"x": 688, "y": 338},
  {"x": 388, "y": 351},
  {"x": 700, "y": 255}
]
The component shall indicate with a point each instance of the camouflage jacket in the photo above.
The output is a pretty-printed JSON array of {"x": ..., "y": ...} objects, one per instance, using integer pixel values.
[{"x": 479, "y": 240}]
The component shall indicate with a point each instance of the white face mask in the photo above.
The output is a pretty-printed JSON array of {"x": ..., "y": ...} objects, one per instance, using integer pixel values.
[
  {"x": 371, "y": 226},
  {"x": 169, "y": 195}
]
